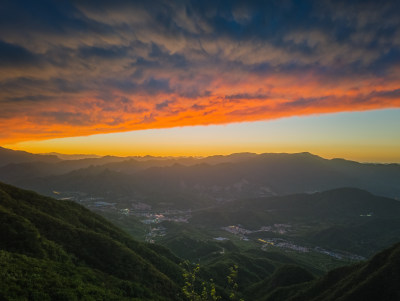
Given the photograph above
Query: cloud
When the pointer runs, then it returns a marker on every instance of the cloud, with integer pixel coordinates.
(84, 67)
(163, 105)
(12, 55)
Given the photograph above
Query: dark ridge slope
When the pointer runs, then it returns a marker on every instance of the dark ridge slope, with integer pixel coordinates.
(41, 236)
(375, 279)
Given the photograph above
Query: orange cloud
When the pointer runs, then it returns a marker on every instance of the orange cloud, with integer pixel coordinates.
(229, 100)
(106, 67)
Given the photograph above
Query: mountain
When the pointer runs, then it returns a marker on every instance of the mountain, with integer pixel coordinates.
(376, 279)
(339, 204)
(275, 174)
(11, 156)
(206, 180)
(52, 249)
(345, 219)
(73, 156)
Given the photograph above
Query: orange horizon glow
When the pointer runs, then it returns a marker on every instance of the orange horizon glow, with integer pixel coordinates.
(362, 136)
(379, 155)
(283, 97)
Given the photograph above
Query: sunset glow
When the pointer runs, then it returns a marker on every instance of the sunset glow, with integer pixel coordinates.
(362, 136)
(200, 78)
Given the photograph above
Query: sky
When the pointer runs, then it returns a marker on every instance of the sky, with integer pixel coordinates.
(201, 77)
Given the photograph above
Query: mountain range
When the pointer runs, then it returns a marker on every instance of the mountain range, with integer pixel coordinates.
(195, 182)
(297, 226)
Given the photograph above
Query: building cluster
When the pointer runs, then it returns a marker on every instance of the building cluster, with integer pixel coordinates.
(155, 232)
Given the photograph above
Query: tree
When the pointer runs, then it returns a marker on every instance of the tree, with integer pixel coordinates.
(196, 290)
(232, 283)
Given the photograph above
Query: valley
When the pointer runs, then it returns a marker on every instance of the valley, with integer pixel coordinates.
(235, 220)
(293, 234)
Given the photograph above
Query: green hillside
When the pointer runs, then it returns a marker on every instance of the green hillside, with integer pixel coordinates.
(58, 250)
(376, 279)
(346, 219)
(53, 249)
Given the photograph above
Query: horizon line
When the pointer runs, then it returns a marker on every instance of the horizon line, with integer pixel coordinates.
(96, 156)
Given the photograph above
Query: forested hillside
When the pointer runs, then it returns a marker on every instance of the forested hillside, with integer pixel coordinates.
(54, 249)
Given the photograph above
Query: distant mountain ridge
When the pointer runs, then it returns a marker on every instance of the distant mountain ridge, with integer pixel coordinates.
(72, 156)
(12, 156)
(210, 179)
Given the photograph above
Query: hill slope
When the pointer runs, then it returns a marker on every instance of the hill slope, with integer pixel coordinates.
(376, 279)
(346, 219)
(59, 250)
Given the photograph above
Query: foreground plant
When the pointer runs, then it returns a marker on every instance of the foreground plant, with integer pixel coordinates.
(192, 287)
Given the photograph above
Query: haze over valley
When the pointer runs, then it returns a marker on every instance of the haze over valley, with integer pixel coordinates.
(257, 211)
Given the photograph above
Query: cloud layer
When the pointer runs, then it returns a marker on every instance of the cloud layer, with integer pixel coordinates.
(72, 68)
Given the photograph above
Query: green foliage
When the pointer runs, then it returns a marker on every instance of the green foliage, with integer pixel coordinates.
(190, 278)
(23, 277)
(52, 242)
(195, 289)
(232, 284)
(376, 279)
(332, 219)
(252, 268)
(58, 250)
(284, 276)
(186, 245)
